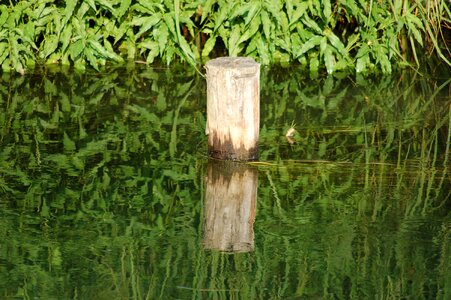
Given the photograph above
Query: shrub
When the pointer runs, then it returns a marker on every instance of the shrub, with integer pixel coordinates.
(364, 36)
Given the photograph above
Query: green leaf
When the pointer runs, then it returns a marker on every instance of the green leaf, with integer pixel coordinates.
(147, 6)
(107, 5)
(69, 10)
(4, 47)
(145, 23)
(311, 43)
(266, 22)
(65, 102)
(65, 37)
(170, 23)
(413, 28)
(413, 19)
(26, 40)
(233, 44)
(42, 22)
(187, 52)
(209, 45)
(101, 51)
(80, 64)
(50, 45)
(289, 8)
(91, 58)
(311, 24)
(272, 8)
(323, 45)
(6, 65)
(252, 13)
(314, 65)
(125, 4)
(241, 10)
(329, 59)
(298, 12)
(29, 34)
(363, 58)
(15, 56)
(352, 41)
(76, 49)
(353, 9)
(361, 64)
(105, 180)
(250, 32)
(335, 41)
(119, 33)
(223, 13)
(162, 35)
(144, 114)
(284, 23)
(152, 54)
(206, 9)
(327, 10)
(68, 144)
(263, 51)
(4, 15)
(84, 7)
(384, 62)
(152, 46)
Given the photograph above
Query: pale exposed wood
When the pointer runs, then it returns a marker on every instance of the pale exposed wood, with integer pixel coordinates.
(230, 207)
(233, 108)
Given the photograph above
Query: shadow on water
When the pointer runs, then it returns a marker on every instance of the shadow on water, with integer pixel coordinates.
(106, 193)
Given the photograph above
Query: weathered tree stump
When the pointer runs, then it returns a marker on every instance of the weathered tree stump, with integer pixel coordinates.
(233, 108)
(230, 206)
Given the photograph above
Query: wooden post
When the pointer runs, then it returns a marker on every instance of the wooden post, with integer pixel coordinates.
(230, 206)
(233, 108)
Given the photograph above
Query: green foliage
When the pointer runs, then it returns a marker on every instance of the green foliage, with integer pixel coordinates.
(367, 37)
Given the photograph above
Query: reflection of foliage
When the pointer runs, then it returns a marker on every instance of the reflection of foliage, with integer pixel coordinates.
(361, 122)
(81, 149)
(85, 129)
(101, 187)
(369, 167)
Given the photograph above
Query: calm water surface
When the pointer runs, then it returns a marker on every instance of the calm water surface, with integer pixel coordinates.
(106, 192)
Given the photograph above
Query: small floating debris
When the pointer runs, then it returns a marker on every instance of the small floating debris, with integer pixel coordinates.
(290, 134)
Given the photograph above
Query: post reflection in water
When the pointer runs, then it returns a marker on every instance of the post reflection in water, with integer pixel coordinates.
(230, 206)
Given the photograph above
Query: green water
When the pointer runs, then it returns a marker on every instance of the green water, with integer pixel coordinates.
(103, 184)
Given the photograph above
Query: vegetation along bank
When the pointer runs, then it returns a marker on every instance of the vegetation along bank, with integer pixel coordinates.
(350, 35)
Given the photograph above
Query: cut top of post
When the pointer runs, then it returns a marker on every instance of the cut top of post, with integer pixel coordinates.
(232, 62)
